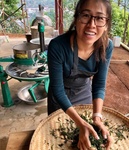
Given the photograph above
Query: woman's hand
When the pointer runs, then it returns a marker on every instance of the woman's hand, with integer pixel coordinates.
(105, 132)
(84, 142)
(85, 130)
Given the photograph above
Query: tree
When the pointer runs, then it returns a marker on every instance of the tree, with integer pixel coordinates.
(120, 21)
(51, 14)
(69, 8)
(11, 14)
(68, 11)
(9, 6)
(125, 30)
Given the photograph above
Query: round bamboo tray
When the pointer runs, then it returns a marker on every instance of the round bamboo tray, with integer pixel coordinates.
(43, 140)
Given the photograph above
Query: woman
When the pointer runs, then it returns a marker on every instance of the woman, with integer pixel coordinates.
(76, 56)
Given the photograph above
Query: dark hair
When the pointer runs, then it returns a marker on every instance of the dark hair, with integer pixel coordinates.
(102, 43)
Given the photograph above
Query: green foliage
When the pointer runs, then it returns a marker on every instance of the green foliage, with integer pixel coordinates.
(31, 18)
(51, 14)
(10, 7)
(14, 28)
(45, 3)
(118, 21)
(68, 11)
(69, 8)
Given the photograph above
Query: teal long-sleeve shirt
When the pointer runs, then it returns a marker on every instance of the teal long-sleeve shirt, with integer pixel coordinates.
(60, 63)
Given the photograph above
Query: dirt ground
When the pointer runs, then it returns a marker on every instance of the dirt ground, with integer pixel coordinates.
(13, 35)
(117, 87)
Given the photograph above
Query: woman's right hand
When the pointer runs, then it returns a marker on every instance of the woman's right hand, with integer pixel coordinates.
(85, 130)
(84, 142)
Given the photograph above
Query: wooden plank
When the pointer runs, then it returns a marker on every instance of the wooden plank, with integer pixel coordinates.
(119, 61)
(3, 143)
(19, 140)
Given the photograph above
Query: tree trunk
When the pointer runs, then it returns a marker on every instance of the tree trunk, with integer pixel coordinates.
(118, 2)
(126, 26)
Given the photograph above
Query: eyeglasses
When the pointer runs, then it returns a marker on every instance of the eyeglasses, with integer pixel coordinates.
(98, 20)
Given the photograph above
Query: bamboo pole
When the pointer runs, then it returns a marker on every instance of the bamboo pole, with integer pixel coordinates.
(27, 17)
(125, 46)
(14, 13)
(2, 3)
(2, 8)
(119, 61)
(23, 16)
(13, 21)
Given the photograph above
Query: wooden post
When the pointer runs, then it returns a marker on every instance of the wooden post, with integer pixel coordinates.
(13, 20)
(23, 15)
(56, 14)
(27, 18)
(3, 13)
(2, 9)
(60, 16)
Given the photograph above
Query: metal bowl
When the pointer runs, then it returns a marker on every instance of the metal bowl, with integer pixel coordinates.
(39, 92)
(37, 41)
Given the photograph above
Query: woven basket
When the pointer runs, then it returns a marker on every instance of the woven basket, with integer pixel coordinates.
(43, 140)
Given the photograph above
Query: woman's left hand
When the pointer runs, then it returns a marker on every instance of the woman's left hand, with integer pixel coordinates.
(105, 132)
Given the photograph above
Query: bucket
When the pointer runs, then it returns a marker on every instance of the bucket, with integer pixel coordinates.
(28, 37)
(48, 32)
(55, 33)
(34, 32)
(116, 41)
(25, 50)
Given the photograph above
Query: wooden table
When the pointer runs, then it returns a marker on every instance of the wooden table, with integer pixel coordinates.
(19, 140)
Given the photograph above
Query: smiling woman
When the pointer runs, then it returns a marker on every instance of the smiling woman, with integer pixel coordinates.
(76, 56)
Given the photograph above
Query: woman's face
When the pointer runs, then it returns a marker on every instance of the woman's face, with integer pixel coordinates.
(90, 33)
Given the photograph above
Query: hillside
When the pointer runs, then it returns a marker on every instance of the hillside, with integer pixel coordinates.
(45, 3)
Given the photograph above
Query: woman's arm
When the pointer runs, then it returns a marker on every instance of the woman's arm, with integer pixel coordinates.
(97, 108)
(97, 105)
(56, 64)
(99, 79)
(98, 89)
(99, 82)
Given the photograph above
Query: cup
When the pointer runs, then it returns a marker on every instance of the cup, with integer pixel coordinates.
(55, 33)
